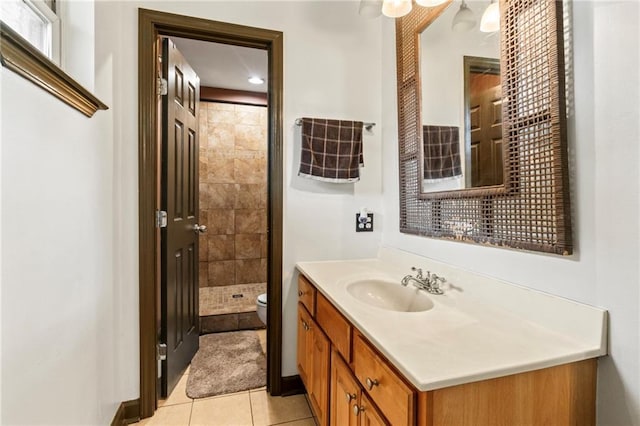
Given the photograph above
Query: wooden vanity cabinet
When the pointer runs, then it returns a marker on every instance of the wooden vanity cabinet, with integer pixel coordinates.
(341, 370)
(313, 363)
(386, 388)
(349, 405)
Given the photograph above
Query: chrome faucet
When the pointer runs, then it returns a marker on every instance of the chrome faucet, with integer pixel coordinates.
(429, 282)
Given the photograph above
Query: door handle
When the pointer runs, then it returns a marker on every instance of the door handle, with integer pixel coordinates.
(199, 229)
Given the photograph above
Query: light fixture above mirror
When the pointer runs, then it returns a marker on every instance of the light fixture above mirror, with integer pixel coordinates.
(464, 20)
(490, 21)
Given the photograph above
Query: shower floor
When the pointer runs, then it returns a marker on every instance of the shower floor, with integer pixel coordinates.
(221, 300)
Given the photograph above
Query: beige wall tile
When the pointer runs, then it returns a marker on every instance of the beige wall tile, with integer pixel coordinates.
(223, 195)
(247, 114)
(220, 168)
(218, 113)
(221, 273)
(250, 271)
(221, 247)
(203, 274)
(248, 246)
(250, 170)
(250, 221)
(269, 410)
(204, 196)
(203, 168)
(220, 221)
(251, 196)
(203, 245)
(220, 136)
(233, 410)
(264, 245)
(250, 138)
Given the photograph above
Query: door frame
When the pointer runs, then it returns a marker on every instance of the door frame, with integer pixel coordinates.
(151, 25)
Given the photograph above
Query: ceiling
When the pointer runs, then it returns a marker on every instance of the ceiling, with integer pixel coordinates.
(225, 66)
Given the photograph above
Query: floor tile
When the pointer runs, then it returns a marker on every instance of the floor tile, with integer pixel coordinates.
(222, 396)
(174, 415)
(262, 335)
(178, 395)
(234, 410)
(305, 422)
(269, 410)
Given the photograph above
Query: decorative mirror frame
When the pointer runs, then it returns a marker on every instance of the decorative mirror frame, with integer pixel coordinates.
(531, 210)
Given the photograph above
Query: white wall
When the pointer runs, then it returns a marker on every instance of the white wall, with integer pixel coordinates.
(331, 69)
(59, 299)
(603, 145)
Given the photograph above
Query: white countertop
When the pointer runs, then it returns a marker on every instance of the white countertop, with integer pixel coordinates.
(481, 328)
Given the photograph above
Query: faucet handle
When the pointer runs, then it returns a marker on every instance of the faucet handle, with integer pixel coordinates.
(419, 274)
(435, 283)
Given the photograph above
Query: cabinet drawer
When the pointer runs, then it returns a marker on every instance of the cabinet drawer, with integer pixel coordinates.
(385, 387)
(307, 294)
(336, 327)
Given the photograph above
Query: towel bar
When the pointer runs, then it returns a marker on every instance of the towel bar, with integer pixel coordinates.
(367, 126)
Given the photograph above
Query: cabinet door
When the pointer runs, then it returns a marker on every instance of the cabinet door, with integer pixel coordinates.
(305, 342)
(369, 414)
(319, 389)
(345, 393)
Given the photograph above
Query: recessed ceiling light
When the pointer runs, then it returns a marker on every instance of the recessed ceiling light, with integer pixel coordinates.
(256, 80)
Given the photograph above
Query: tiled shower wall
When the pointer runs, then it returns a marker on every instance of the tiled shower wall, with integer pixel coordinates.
(233, 201)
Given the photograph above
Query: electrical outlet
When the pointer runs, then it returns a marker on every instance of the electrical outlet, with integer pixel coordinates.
(364, 225)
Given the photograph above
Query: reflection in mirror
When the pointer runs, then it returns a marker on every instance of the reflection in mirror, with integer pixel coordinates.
(461, 102)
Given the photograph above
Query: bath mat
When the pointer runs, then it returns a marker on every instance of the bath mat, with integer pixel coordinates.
(226, 363)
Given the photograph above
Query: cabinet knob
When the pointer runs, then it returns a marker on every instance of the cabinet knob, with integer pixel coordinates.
(371, 383)
(357, 409)
(305, 325)
(350, 396)
(300, 293)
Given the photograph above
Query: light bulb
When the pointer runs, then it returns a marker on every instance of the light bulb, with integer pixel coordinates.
(464, 20)
(430, 3)
(370, 8)
(490, 21)
(256, 80)
(396, 8)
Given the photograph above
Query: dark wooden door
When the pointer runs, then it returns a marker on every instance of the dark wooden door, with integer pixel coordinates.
(179, 290)
(485, 104)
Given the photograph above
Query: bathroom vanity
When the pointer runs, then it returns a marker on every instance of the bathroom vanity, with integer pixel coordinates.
(483, 353)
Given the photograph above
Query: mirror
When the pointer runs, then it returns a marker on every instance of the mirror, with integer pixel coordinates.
(461, 101)
(530, 209)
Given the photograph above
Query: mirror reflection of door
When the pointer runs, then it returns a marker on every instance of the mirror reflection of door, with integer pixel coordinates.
(483, 122)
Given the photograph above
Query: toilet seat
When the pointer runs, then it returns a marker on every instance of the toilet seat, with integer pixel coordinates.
(262, 299)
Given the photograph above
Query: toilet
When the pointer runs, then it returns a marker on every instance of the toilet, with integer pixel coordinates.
(261, 307)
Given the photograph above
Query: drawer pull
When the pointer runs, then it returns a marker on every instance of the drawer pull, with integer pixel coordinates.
(372, 383)
(350, 396)
(300, 293)
(357, 410)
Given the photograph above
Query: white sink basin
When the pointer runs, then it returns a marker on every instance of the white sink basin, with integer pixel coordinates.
(390, 296)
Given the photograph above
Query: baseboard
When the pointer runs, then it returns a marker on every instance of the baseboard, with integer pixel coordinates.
(292, 385)
(128, 412)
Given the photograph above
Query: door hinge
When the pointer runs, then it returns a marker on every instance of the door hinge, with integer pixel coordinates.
(161, 219)
(161, 355)
(162, 88)
(162, 351)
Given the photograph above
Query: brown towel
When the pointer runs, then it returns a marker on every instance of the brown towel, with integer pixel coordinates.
(331, 150)
(441, 152)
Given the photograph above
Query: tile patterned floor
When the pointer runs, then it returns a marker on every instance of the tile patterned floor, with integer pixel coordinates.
(249, 408)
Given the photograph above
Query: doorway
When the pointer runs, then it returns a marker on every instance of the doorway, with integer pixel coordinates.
(152, 25)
